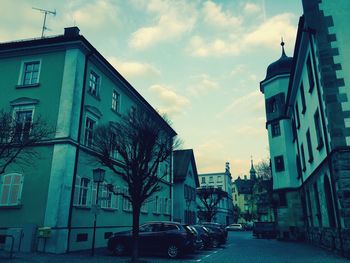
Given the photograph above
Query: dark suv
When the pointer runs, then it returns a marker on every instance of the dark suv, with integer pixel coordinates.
(169, 237)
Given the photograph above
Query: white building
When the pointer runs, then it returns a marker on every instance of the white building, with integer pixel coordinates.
(222, 181)
(308, 122)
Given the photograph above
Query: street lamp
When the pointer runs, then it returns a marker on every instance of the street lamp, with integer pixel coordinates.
(98, 176)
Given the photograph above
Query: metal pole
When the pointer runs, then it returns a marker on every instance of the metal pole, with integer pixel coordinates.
(95, 217)
(42, 32)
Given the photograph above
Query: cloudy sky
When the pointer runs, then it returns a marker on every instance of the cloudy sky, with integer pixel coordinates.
(198, 61)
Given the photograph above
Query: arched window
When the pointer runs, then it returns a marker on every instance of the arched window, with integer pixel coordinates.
(11, 189)
(329, 201)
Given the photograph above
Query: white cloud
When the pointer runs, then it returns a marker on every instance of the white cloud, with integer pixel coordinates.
(171, 103)
(134, 68)
(203, 86)
(215, 16)
(173, 19)
(96, 14)
(248, 101)
(267, 35)
(251, 8)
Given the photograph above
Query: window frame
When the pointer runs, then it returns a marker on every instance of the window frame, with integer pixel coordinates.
(303, 100)
(94, 85)
(95, 121)
(116, 102)
(279, 168)
(303, 161)
(21, 77)
(275, 129)
(297, 117)
(318, 129)
(309, 146)
(11, 185)
(310, 73)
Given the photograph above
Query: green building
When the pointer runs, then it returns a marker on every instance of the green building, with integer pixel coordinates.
(67, 82)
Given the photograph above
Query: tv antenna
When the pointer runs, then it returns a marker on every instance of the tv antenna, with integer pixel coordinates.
(45, 12)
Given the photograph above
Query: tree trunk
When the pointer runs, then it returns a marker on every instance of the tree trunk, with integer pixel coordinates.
(135, 233)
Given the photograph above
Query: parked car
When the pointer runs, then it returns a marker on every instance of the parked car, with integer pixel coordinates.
(217, 233)
(264, 229)
(222, 227)
(199, 244)
(171, 238)
(235, 227)
(204, 235)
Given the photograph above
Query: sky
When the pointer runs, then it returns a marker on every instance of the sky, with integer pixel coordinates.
(198, 61)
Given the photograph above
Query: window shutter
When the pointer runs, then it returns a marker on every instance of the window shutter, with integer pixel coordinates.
(77, 190)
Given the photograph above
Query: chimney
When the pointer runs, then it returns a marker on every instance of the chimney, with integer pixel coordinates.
(71, 31)
(245, 177)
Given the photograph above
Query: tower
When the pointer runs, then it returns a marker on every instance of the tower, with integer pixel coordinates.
(252, 171)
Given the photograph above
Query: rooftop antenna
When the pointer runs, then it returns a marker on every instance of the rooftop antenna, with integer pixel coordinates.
(45, 12)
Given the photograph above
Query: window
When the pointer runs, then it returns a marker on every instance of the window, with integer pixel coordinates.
(297, 115)
(108, 200)
(89, 129)
(23, 120)
(144, 207)
(273, 105)
(82, 237)
(82, 191)
(30, 73)
(211, 180)
(203, 180)
(279, 163)
(302, 157)
(297, 161)
(94, 84)
(303, 102)
(167, 206)
(156, 208)
(219, 179)
(318, 130)
(310, 74)
(275, 129)
(126, 203)
(282, 199)
(11, 189)
(311, 222)
(294, 130)
(115, 101)
(309, 146)
(318, 205)
(114, 152)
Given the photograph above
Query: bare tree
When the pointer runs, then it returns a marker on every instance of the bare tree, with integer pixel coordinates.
(209, 198)
(263, 169)
(18, 138)
(142, 144)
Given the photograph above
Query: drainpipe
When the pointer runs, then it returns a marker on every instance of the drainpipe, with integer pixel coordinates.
(77, 151)
(311, 33)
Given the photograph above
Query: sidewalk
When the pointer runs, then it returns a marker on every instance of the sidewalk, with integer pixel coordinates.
(101, 255)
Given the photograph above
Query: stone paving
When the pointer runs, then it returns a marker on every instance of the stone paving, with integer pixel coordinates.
(240, 248)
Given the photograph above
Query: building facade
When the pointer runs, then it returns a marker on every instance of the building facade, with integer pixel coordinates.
(185, 184)
(67, 82)
(307, 112)
(221, 181)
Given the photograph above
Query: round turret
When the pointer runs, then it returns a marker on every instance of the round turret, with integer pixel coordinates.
(281, 66)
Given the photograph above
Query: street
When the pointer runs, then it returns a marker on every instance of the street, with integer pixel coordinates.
(241, 247)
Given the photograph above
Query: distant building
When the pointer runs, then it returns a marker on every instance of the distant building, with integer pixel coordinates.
(307, 113)
(221, 181)
(185, 184)
(67, 82)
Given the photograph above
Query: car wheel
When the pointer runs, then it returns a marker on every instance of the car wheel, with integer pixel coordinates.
(119, 249)
(215, 243)
(173, 251)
